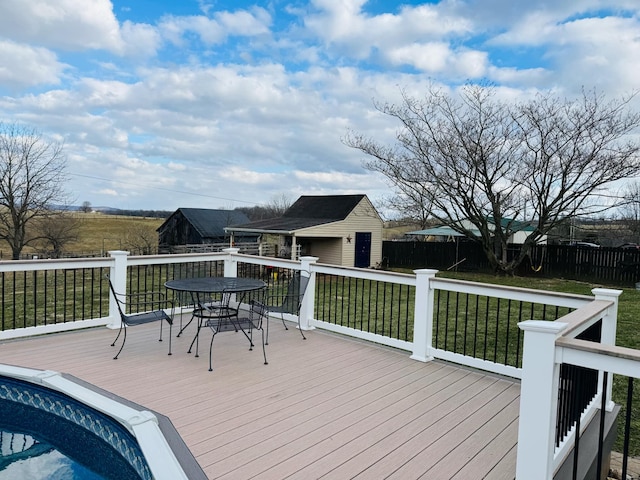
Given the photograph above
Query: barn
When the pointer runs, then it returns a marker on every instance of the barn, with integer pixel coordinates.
(199, 226)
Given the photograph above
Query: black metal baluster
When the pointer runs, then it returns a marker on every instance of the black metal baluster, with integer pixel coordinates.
(576, 445)
(410, 290)
(519, 338)
(466, 322)
(486, 329)
(35, 299)
(455, 325)
(437, 316)
(475, 333)
(603, 412)
(3, 303)
(24, 299)
(64, 296)
(75, 294)
(506, 345)
(495, 342)
(446, 320)
(627, 427)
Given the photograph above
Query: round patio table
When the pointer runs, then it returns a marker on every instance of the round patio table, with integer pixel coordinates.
(201, 289)
(215, 285)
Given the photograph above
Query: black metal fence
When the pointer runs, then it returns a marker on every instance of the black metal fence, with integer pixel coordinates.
(49, 297)
(485, 327)
(613, 266)
(372, 306)
(576, 389)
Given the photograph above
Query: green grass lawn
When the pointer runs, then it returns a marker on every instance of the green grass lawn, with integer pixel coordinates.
(629, 301)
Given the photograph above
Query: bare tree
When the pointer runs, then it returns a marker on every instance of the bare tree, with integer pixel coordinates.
(490, 167)
(275, 208)
(56, 231)
(278, 205)
(142, 240)
(32, 174)
(85, 207)
(414, 207)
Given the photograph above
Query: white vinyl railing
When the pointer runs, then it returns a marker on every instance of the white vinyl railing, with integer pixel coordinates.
(547, 344)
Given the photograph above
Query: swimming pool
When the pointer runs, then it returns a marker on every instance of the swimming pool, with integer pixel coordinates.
(54, 421)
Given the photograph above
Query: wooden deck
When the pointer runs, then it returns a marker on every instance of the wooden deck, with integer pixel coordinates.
(328, 407)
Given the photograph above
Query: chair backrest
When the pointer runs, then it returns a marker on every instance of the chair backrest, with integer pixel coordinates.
(295, 293)
(117, 299)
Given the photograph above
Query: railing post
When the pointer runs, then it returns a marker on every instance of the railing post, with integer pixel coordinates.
(230, 262)
(538, 400)
(118, 277)
(609, 331)
(309, 300)
(423, 316)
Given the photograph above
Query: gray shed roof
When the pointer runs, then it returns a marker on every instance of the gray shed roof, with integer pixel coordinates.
(307, 211)
(209, 223)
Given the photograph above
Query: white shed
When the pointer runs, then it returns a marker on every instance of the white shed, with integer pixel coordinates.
(339, 229)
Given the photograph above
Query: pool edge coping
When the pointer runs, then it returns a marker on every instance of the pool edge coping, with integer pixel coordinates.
(164, 449)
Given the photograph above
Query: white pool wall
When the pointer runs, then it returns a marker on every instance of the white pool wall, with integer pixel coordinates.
(142, 424)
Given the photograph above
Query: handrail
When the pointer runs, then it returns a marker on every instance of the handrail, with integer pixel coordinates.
(581, 319)
(513, 293)
(549, 345)
(616, 351)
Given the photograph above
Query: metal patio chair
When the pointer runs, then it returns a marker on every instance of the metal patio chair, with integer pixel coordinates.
(245, 324)
(212, 310)
(155, 305)
(289, 301)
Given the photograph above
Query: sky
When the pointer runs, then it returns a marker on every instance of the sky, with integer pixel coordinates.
(163, 104)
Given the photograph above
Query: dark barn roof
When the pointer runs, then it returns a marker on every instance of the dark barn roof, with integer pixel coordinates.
(307, 211)
(208, 223)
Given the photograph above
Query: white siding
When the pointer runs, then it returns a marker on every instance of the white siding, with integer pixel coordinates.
(363, 218)
(327, 250)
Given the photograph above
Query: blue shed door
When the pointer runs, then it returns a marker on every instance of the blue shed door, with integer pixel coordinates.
(363, 249)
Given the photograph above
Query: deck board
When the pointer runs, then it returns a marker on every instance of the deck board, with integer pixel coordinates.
(326, 407)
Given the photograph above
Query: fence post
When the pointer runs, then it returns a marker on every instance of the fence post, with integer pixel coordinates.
(423, 315)
(538, 400)
(609, 331)
(230, 262)
(118, 277)
(309, 300)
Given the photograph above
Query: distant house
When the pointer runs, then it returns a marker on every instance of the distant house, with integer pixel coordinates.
(197, 226)
(520, 231)
(339, 229)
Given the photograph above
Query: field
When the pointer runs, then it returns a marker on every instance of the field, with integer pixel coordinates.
(98, 233)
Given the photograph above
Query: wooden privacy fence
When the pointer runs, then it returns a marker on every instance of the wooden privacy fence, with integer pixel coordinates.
(609, 265)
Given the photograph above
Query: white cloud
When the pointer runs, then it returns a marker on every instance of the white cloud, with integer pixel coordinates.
(139, 39)
(345, 25)
(215, 30)
(67, 24)
(600, 52)
(593, 51)
(429, 57)
(26, 66)
(237, 105)
(174, 28)
(245, 23)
